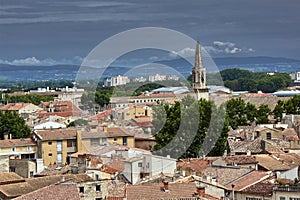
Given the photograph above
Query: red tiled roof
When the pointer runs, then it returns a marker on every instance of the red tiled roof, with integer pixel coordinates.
(14, 106)
(62, 108)
(56, 134)
(17, 142)
(195, 164)
(154, 191)
(261, 188)
(242, 159)
(248, 180)
(10, 177)
(63, 192)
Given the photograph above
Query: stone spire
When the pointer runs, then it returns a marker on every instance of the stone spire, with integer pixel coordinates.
(198, 56)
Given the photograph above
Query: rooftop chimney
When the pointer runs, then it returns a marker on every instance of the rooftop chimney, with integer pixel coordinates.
(166, 185)
(201, 191)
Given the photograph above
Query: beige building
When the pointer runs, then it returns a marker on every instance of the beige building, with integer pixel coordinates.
(54, 146)
(106, 135)
(24, 148)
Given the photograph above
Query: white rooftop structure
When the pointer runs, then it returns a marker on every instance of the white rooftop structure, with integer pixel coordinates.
(170, 90)
(49, 125)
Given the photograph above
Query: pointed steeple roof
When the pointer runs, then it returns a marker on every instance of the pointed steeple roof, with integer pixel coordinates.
(198, 56)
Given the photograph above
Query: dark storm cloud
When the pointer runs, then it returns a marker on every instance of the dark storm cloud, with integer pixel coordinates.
(65, 29)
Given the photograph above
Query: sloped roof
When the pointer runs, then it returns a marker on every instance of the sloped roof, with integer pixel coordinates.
(62, 192)
(10, 177)
(32, 184)
(56, 134)
(195, 164)
(14, 106)
(241, 159)
(264, 187)
(17, 142)
(225, 175)
(249, 179)
(154, 191)
(111, 132)
(278, 162)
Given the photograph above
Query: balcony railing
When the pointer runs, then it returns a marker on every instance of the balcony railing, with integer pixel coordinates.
(287, 188)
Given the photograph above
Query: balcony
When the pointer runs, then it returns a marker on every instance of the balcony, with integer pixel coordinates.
(287, 188)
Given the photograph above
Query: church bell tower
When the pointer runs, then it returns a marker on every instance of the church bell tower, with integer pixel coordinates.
(199, 76)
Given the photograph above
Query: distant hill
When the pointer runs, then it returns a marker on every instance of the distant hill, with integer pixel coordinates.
(252, 60)
(68, 72)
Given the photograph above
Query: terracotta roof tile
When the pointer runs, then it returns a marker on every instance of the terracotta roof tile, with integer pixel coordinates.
(17, 142)
(14, 106)
(10, 177)
(250, 179)
(56, 134)
(154, 191)
(62, 192)
(194, 164)
(239, 160)
(32, 184)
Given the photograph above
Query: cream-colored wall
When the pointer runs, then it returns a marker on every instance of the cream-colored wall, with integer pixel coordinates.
(274, 134)
(19, 149)
(287, 195)
(130, 141)
(242, 196)
(53, 149)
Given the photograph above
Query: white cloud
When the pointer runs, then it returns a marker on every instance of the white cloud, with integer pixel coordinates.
(186, 52)
(45, 62)
(220, 47)
(223, 44)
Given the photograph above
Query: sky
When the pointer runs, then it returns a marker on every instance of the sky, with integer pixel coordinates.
(60, 31)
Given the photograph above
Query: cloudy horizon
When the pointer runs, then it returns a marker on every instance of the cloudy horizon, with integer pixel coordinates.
(64, 32)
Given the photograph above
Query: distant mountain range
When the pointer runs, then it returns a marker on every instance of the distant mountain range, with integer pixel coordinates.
(68, 72)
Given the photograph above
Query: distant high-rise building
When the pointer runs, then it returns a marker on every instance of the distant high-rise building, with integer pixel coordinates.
(116, 80)
(199, 76)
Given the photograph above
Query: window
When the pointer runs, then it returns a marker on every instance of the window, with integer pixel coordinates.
(29, 148)
(59, 158)
(98, 188)
(12, 169)
(49, 154)
(281, 198)
(97, 177)
(49, 143)
(294, 198)
(13, 149)
(140, 164)
(125, 141)
(115, 139)
(95, 141)
(98, 199)
(31, 174)
(81, 190)
(70, 143)
(104, 140)
(269, 136)
(59, 146)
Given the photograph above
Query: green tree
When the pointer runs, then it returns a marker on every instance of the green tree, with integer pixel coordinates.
(187, 128)
(262, 115)
(12, 124)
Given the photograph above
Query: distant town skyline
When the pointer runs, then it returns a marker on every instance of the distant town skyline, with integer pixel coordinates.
(56, 32)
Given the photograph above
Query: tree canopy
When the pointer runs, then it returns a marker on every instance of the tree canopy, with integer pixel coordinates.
(187, 127)
(13, 124)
